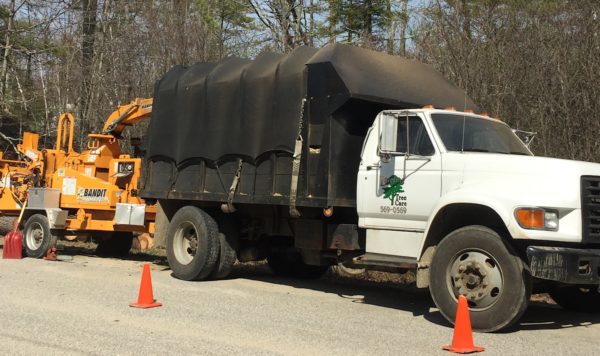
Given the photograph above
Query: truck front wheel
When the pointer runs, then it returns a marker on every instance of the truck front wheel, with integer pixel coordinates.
(192, 244)
(577, 298)
(475, 262)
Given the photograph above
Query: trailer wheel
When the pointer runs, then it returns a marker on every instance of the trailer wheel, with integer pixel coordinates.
(117, 244)
(192, 244)
(37, 236)
(289, 263)
(475, 262)
(229, 243)
(577, 298)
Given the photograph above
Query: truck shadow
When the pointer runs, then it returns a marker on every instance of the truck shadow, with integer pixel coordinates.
(543, 316)
(384, 294)
(539, 315)
(155, 256)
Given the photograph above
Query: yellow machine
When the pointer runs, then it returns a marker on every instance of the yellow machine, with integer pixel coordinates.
(77, 195)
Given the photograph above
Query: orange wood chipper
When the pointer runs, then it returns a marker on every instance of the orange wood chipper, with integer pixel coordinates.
(79, 195)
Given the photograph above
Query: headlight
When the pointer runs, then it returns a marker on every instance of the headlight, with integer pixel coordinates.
(537, 218)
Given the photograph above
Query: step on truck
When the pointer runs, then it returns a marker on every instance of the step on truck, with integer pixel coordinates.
(343, 155)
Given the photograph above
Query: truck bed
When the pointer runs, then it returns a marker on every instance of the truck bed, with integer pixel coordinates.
(211, 115)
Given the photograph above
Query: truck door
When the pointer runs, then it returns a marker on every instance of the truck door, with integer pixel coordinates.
(399, 184)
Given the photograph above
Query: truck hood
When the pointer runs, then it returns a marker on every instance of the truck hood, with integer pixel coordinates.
(516, 164)
(534, 180)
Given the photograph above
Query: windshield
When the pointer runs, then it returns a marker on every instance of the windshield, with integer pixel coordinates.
(480, 135)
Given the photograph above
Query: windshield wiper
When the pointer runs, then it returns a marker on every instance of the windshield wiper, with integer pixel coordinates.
(475, 150)
(500, 152)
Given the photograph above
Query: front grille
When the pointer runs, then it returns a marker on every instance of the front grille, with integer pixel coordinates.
(590, 208)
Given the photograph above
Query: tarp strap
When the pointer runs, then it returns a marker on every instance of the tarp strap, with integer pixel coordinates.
(295, 172)
(229, 208)
(296, 166)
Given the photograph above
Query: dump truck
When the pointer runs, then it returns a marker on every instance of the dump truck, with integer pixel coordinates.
(73, 195)
(344, 155)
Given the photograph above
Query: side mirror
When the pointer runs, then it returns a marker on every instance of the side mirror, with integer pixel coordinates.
(388, 137)
(525, 136)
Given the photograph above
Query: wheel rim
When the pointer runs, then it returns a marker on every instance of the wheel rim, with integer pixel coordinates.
(185, 243)
(476, 275)
(34, 236)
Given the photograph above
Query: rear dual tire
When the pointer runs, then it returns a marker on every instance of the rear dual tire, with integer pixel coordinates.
(228, 246)
(192, 244)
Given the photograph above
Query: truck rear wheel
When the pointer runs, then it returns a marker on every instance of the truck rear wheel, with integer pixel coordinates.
(192, 244)
(37, 236)
(577, 298)
(475, 262)
(229, 243)
(289, 263)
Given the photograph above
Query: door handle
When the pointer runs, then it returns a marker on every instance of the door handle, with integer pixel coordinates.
(372, 167)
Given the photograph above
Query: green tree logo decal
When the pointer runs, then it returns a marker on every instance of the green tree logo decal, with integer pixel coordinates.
(392, 188)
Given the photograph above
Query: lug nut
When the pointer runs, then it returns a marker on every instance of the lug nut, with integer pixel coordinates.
(461, 268)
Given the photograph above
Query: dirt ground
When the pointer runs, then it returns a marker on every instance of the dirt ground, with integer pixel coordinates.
(80, 305)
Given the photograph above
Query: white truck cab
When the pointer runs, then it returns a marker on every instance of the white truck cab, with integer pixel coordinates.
(464, 198)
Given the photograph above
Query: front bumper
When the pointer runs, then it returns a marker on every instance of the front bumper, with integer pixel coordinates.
(566, 265)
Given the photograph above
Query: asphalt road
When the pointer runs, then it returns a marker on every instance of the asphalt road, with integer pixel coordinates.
(81, 307)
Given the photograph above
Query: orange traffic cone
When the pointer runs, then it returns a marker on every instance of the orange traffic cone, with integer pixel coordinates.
(146, 298)
(462, 342)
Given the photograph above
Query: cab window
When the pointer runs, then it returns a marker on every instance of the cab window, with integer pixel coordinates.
(415, 136)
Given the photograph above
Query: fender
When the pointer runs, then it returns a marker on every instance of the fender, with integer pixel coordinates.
(468, 196)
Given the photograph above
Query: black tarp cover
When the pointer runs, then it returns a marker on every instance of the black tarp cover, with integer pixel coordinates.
(246, 108)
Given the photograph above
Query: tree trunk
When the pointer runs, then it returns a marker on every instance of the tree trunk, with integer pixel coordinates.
(391, 27)
(89, 9)
(312, 24)
(403, 27)
(7, 48)
(368, 19)
(466, 19)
